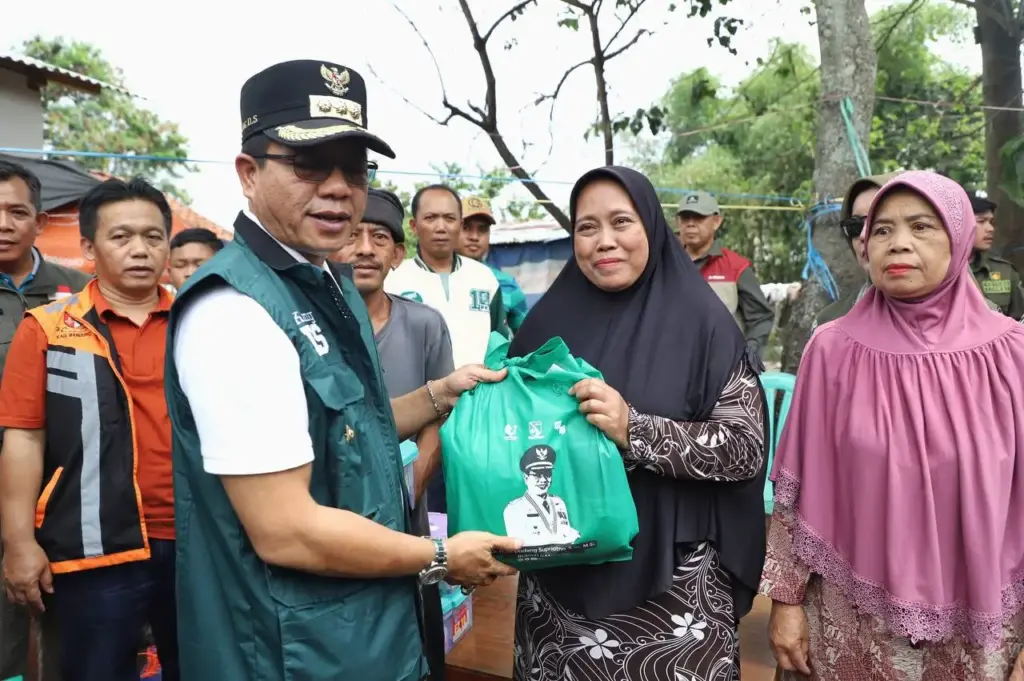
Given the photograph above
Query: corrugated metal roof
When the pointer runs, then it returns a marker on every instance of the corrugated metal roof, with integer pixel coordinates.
(534, 232)
(33, 67)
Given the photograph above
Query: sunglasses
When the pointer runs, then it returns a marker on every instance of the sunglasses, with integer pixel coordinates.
(853, 226)
(317, 168)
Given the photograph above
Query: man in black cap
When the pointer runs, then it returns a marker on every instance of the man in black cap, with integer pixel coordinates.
(297, 556)
(414, 347)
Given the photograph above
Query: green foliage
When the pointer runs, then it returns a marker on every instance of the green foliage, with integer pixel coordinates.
(108, 122)
(759, 138)
(492, 185)
(950, 139)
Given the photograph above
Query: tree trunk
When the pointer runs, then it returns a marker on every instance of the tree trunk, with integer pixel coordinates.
(1001, 87)
(847, 69)
(602, 92)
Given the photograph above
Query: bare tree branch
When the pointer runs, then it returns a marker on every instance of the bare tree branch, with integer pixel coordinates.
(561, 81)
(486, 118)
(518, 8)
(633, 9)
(437, 68)
(586, 9)
(615, 53)
(405, 99)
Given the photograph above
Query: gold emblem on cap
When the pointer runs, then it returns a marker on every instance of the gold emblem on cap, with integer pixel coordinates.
(335, 82)
(324, 106)
(293, 133)
(996, 276)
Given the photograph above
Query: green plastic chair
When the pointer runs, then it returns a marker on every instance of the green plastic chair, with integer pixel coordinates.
(775, 383)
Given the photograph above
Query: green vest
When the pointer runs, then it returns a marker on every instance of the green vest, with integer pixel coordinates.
(244, 620)
(998, 281)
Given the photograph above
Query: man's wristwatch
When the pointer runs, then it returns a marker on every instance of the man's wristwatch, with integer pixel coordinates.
(438, 568)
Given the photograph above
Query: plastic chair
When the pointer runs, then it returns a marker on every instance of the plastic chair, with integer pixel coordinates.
(775, 383)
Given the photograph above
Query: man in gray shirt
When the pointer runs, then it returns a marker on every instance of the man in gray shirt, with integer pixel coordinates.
(414, 347)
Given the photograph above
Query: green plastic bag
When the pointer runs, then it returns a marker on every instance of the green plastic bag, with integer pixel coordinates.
(520, 460)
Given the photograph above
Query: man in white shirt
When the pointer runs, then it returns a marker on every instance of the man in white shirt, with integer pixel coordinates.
(463, 290)
(295, 557)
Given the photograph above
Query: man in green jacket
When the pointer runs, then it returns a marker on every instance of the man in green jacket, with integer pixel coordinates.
(999, 281)
(295, 558)
(27, 280)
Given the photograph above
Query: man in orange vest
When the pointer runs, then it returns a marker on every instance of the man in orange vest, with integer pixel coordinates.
(82, 401)
(729, 274)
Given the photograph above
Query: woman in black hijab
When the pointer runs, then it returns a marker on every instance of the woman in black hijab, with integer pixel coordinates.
(682, 401)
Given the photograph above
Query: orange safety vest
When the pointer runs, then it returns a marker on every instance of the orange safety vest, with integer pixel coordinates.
(89, 513)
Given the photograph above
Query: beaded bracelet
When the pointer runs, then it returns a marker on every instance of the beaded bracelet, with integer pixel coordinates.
(433, 401)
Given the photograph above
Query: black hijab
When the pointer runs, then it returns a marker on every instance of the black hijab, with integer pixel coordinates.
(668, 345)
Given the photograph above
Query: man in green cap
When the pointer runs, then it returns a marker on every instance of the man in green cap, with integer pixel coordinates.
(296, 558)
(999, 281)
(729, 274)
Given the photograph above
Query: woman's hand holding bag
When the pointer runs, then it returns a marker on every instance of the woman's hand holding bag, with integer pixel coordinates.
(604, 408)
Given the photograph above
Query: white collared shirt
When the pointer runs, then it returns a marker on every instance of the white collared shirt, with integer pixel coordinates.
(241, 375)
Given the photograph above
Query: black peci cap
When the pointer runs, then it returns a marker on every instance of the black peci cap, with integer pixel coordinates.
(305, 102)
(385, 209)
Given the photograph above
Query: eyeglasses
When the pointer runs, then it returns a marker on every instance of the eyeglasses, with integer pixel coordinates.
(853, 226)
(315, 168)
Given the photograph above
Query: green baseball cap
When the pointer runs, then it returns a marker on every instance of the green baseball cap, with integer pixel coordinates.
(700, 203)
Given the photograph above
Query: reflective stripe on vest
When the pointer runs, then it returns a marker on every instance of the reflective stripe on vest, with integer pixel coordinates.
(78, 380)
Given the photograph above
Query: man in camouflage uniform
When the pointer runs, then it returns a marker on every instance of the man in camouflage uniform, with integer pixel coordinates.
(475, 243)
(999, 281)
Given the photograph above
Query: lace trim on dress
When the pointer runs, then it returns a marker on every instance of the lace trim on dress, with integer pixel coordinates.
(916, 621)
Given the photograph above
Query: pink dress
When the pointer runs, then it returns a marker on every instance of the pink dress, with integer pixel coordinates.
(846, 645)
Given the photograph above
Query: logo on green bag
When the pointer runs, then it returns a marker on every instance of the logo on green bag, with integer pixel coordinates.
(413, 296)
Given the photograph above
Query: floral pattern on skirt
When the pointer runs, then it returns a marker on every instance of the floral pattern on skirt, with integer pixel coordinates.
(687, 633)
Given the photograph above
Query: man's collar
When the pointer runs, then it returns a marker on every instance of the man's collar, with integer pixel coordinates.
(8, 280)
(272, 251)
(264, 244)
(456, 261)
(713, 252)
(99, 301)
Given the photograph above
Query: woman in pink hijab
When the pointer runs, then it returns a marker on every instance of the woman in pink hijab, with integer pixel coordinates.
(896, 550)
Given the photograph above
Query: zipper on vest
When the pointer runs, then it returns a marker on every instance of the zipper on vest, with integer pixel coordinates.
(346, 314)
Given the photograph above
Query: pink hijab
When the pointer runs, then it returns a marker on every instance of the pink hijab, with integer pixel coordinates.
(903, 453)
